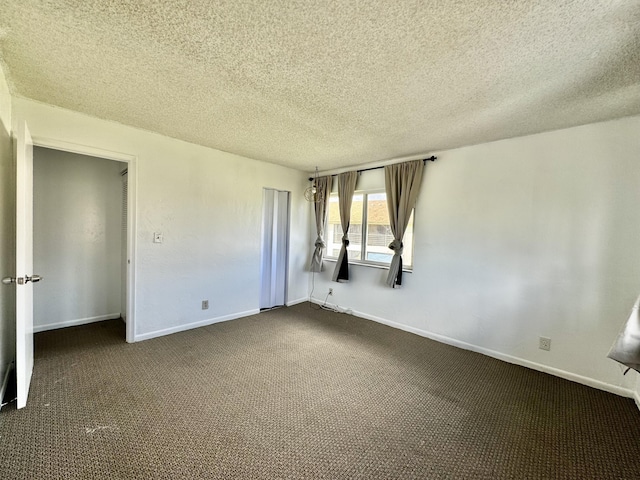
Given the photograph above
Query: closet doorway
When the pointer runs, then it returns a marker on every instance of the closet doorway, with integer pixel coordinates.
(84, 229)
(275, 248)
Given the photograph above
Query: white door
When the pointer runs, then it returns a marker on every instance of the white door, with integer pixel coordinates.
(24, 263)
(275, 247)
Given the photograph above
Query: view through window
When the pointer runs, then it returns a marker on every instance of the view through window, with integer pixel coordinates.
(369, 231)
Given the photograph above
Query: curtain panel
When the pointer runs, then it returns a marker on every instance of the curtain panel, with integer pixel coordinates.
(346, 189)
(323, 190)
(626, 348)
(402, 184)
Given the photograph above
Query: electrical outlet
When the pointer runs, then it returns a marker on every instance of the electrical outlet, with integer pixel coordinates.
(205, 304)
(545, 343)
(331, 291)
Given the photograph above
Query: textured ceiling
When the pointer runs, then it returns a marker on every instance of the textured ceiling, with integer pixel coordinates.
(328, 83)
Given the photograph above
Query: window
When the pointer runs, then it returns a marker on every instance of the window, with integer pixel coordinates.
(369, 233)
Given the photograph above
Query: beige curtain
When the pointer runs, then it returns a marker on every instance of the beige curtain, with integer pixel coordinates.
(346, 188)
(402, 184)
(323, 190)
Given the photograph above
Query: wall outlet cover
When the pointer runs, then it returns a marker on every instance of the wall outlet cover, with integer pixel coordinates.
(545, 343)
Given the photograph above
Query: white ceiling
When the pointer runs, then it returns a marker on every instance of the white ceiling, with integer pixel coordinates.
(328, 83)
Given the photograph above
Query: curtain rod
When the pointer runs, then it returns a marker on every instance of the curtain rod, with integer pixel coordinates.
(432, 158)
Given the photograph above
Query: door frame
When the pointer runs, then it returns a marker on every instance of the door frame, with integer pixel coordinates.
(132, 179)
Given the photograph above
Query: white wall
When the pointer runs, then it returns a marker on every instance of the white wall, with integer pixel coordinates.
(7, 232)
(77, 240)
(208, 206)
(521, 238)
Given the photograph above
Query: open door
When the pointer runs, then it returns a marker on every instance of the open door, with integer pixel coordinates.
(24, 263)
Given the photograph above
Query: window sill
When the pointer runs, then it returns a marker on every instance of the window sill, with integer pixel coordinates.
(370, 265)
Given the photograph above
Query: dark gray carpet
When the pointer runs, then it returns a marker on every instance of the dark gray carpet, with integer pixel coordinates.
(299, 393)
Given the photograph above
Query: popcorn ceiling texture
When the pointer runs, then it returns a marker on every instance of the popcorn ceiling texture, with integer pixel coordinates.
(328, 83)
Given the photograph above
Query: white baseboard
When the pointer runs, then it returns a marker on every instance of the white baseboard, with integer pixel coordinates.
(190, 326)
(299, 300)
(73, 323)
(607, 387)
(209, 321)
(5, 382)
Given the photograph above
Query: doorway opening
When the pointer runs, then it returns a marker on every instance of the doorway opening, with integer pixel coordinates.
(84, 233)
(79, 239)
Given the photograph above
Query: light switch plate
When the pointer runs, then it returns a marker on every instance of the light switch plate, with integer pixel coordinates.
(157, 238)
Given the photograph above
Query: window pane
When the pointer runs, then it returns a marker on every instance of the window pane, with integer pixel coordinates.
(379, 234)
(334, 228)
(334, 231)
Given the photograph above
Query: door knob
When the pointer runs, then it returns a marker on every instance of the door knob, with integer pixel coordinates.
(33, 278)
(8, 280)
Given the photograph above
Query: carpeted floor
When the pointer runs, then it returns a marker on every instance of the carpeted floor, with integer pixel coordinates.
(298, 393)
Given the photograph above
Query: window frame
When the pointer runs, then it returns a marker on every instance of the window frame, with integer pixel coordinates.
(364, 234)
